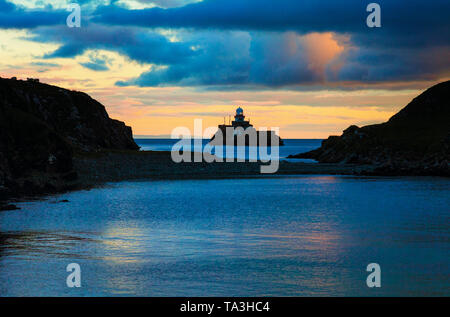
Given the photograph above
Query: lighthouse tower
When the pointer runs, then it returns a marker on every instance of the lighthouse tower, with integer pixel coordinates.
(239, 119)
(239, 116)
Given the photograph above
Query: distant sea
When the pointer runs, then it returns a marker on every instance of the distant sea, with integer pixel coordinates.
(291, 146)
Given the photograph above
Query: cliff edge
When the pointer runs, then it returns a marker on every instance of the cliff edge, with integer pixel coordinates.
(415, 141)
(41, 127)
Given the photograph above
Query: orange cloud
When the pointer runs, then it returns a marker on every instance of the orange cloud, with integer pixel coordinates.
(321, 49)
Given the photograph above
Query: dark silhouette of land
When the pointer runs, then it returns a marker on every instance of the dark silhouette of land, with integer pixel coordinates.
(415, 141)
(42, 127)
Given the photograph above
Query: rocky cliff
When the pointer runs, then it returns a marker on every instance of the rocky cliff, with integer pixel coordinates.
(414, 141)
(42, 126)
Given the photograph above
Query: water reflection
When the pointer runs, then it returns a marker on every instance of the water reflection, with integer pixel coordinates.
(29, 244)
(248, 237)
(125, 244)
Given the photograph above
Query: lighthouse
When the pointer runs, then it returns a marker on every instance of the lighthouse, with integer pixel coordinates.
(240, 122)
(239, 116)
(239, 119)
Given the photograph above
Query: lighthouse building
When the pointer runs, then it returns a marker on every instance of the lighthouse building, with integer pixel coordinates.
(240, 122)
(239, 119)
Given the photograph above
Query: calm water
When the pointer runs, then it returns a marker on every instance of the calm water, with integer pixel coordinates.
(284, 236)
(290, 147)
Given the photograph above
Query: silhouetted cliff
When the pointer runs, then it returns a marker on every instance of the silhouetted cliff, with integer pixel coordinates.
(414, 141)
(41, 126)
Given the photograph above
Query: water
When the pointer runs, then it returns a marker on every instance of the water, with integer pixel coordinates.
(280, 236)
(290, 147)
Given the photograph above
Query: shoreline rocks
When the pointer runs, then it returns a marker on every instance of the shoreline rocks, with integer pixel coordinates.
(415, 141)
(42, 127)
(6, 207)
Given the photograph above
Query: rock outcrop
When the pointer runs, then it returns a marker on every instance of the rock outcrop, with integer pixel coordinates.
(42, 126)
(415, 141)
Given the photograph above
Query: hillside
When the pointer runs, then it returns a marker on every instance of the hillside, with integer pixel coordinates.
(42, 126)
(416, 140)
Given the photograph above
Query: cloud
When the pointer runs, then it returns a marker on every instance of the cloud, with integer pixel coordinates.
(142, 46)
(395, 64)
(348, 16)
(97, 62)
(97, 66)
(298, 42)
(279, 15)
(6, 6)
(45, 64)
(246, 44)
(14, 17)
(243, 58)
(290, 59)
(220, 58)
(168, 3)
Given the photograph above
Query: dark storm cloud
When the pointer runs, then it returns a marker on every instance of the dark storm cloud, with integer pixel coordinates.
(398, 17)
(248, 43)
(236, 58)
(140, 45)
(278, 15)
(273, 60)
(6, 6)
(400, 64)
(13, 17)
(412, 44)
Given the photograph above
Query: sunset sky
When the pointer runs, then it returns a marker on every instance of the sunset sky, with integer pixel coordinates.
(311, 68)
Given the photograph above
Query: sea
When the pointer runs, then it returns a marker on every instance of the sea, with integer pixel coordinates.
(290, 235)
(290, 147)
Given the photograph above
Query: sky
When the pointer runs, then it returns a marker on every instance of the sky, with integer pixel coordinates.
(310, 67)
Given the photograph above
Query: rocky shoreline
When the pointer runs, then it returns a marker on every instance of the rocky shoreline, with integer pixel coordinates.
(114, 166)
(94, 169)
(415, 141)
(41, 128)
(97, 168)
